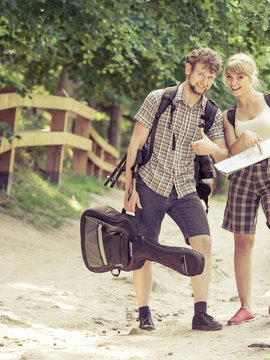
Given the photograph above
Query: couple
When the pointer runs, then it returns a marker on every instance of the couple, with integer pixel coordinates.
(166, 183)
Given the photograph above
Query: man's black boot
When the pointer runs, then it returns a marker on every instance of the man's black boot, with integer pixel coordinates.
(146, 322)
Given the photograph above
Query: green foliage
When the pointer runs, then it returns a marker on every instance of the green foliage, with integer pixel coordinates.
(115, 52)
(220, 198)
(221, 184)
(38, 201)
(30, 119)
(101, 123)
(80, 187)
(6, 132)
(125, 47)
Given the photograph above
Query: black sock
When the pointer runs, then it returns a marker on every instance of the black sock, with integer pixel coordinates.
(144, 310)
(199, 306)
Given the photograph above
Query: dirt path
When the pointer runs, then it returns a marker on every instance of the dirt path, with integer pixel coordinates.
(52, 307)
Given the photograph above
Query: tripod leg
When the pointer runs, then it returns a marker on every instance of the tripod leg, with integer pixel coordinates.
(122, 169)
(112, 175)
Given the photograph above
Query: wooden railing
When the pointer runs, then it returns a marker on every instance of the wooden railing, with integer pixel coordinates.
(92, 155)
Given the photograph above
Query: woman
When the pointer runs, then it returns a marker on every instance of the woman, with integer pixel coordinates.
(251, 185)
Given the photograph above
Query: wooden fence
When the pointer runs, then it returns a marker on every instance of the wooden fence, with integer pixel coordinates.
(92, 155)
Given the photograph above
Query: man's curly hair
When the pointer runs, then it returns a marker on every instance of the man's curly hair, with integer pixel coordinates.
(210, 58)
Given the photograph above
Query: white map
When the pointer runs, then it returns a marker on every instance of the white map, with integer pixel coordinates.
(244, 159)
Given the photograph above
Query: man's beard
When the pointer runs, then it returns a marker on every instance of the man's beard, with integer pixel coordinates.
(193, 88)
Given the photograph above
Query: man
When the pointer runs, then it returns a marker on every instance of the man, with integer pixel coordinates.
(166, 184)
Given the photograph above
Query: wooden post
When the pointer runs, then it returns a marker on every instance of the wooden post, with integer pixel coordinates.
(9, 116)
(80, 157)
(55, 153)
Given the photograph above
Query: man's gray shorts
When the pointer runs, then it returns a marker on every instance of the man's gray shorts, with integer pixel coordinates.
(187, 212)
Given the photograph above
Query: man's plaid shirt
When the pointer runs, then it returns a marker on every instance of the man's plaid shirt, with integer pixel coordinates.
(169, 167)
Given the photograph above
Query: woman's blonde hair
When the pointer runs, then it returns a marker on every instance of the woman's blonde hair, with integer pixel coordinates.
(243, 64)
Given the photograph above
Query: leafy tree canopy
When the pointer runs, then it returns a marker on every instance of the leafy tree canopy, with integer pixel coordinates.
(125, 48)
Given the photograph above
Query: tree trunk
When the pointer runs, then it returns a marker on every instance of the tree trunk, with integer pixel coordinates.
(114, 133)
(65, 83)
(63, 79)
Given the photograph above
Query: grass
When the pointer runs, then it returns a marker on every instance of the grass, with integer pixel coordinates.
(43, 204)
(220, 198)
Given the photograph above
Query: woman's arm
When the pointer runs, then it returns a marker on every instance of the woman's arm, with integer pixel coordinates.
(246, 140)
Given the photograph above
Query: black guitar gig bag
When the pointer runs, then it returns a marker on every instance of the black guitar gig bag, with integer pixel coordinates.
(114, 241)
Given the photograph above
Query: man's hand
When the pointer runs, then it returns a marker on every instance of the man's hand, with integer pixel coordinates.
(131, 201)
(204, 146)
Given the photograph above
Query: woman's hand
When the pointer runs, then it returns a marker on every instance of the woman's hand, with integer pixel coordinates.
(251, 139)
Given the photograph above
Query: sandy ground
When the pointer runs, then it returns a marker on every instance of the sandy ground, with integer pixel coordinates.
(52, 307)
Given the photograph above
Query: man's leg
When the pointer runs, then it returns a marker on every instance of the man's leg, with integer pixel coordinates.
(150, 216)
(191, 218)
(200, 283)
(200, 286)
(143, 284)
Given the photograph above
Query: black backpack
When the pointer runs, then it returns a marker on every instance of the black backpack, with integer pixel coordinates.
(231, 112)
(114, 241)
(203, 163)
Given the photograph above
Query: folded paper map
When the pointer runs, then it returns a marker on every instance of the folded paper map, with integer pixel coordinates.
(244, 159)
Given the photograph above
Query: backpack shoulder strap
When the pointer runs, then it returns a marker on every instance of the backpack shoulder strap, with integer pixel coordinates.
(267, 98)
(167, 98)
(231, 115)
(209, 115)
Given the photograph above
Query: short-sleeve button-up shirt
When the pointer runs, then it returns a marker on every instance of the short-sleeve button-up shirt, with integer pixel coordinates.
(167, 167)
